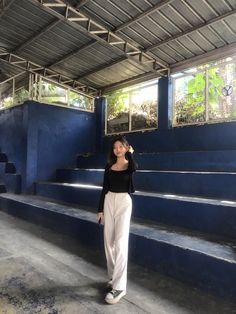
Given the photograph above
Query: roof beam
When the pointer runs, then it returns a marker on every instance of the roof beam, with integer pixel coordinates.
(192, 29)
(101, 67)
(46, 29)
(47, 73)
(5, 7)
(36, 36)
(81, 3)
(98, 32)
(144, 14)
(210, 56)
(12, 77)
(132, 81)
(74, 52)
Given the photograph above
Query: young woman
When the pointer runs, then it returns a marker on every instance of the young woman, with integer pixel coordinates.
(115, 211)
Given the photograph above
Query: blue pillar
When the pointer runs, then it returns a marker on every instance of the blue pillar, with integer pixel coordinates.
(100, 106)
(165, 103)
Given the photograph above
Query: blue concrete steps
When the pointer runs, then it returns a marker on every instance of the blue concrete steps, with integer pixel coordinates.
(203, 214)
(194, 183)
(7, 167)
(185, 160)
(189, 256)
(2, 188)
(8, 176)
(10, 167)
(2, 168)
(13, 183)
(3, 157)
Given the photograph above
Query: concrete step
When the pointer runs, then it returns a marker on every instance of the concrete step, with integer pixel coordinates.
(10, 167)
(7, 167)
(9, 178)
(2, 168)
(195, 183)
(3, 157)
(2, 188)
(13, 183)
(207, 215)
(185, 160)
(190, 257)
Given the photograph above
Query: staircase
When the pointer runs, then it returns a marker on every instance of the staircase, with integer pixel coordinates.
(183, 217)
(10, 181)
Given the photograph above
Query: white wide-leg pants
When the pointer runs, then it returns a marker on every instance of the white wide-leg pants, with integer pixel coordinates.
(117, 213)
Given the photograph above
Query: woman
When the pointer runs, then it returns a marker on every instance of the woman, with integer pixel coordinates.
(115, 211)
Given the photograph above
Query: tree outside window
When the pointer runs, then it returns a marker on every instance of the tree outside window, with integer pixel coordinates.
(206, 93)
(132, 109)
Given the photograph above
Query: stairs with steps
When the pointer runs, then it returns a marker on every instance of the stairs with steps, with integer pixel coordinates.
(185, 160)
(183, 220)
(10, 180)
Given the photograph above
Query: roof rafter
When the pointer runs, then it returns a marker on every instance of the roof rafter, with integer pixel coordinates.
(191, 30)
(36, 36)
(102, 67)
(132, 81)
(5, 7)
(89, 27)
(52, 75)
(218, 53)
(74, 52)
(81, 3)
(144, 14)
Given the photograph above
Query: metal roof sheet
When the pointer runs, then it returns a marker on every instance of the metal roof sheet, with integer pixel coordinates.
(164, 33)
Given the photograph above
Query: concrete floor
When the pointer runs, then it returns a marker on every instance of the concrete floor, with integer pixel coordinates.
(44, 272)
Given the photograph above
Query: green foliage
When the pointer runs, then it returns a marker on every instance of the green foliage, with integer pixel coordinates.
(116, 103)
(191, 108)
(80, 101)
(20, 96)
(216, 84)
(7, 102)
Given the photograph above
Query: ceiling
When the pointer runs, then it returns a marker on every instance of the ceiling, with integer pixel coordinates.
(96, 46)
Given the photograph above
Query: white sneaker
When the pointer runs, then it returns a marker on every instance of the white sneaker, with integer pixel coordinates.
(114, 296)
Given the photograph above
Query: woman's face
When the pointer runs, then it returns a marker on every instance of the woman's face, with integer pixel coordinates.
(119, 149)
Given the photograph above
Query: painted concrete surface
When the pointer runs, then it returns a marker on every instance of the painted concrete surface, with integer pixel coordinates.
(44, 272)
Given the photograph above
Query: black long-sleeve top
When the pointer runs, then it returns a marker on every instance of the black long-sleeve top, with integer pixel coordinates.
(118, 181)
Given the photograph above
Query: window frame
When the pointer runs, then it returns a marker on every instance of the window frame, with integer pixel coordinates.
(130, 90)
(201, 68)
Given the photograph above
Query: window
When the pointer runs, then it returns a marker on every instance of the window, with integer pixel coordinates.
(206, 93)
(55, 94)
(25, 86)
(132, 109)
(14, 90)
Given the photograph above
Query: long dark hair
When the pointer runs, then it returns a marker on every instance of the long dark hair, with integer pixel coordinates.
(111, 156)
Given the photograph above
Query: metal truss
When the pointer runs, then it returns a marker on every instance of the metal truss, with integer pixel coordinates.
(193, 29)
(47, 73)
(146, 13)
(86, 25)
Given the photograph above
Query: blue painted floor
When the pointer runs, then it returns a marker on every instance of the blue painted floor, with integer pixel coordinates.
(46, 272)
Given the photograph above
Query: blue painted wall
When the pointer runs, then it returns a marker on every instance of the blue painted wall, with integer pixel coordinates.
(13, 135)
(215, 136)
(40, 138)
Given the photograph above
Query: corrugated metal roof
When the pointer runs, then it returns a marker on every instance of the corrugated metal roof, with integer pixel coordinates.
(165, 34)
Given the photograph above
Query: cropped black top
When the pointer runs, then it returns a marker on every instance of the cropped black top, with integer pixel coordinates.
(118, 181)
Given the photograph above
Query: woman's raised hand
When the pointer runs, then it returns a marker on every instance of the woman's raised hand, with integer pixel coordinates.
(131, 150)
